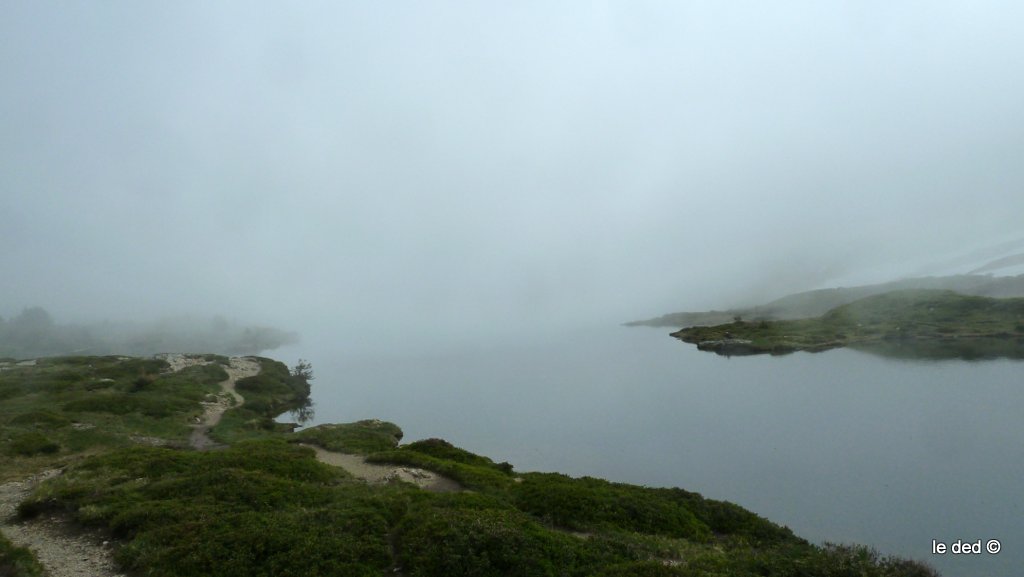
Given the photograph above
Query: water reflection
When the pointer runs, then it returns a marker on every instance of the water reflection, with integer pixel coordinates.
(972, 349)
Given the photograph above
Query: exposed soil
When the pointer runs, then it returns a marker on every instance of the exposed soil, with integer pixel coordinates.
(375, 473)
(63, 549)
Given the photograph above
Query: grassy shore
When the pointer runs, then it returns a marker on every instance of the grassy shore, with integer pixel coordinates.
(949, 322)
(265, 506)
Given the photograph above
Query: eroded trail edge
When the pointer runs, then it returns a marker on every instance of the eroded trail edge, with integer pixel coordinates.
(64, 550)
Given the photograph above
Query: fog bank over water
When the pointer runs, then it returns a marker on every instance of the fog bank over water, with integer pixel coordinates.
(401, 175)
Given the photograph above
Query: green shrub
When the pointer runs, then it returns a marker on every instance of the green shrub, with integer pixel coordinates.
(41, 418)
(18, 561)
(274, 379)
(361, 437)
(10, 390)
(441, 449)
(587, 503)
(725, 518)
(124, 403)
(32, 443)
(469, 476)
(859, 560)
(647, 569)
(436, 542)
(257, 509)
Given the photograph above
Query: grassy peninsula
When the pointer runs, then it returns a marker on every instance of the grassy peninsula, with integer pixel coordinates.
(935, 321)
(815, 303)
(103, 444)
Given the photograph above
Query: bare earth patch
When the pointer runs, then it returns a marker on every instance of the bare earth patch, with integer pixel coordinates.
(375, 473)
(60, 548)
(179, 362)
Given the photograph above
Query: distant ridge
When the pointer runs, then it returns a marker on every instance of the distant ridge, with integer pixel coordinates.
(1000, 263)
(810, 304)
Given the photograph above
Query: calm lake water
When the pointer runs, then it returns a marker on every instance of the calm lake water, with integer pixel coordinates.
(841, 446)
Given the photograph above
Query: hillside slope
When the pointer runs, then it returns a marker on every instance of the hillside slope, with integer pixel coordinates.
(810, 304)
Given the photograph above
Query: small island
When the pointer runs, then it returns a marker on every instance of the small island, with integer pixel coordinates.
(925, 321)
(175, 465)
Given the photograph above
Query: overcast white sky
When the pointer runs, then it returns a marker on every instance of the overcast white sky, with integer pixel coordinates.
(468, 169)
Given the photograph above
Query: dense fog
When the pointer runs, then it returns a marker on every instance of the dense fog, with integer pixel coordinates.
(35, 333)
(396, 175)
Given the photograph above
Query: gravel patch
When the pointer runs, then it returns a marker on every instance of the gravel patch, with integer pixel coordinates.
(60, 548)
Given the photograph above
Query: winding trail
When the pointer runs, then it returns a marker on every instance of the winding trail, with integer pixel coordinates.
(239, 368)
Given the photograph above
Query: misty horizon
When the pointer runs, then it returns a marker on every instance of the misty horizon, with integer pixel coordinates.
(456, 172)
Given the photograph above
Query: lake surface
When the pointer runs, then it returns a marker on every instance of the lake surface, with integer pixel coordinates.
(841, 446)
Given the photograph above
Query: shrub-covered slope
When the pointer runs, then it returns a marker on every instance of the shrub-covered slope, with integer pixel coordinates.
(265, 506)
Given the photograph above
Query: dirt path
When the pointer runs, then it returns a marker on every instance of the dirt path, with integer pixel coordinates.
(379, 474)
(240, 368)
(64, 550)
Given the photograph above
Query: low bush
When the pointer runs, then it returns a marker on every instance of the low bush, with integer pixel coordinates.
(590, 504)
(262, 508)
(18, 561)
(441, 449)
(647, 569)
(42, 418)
(361, 437)
(32, 443)
(124, 403)
(469, 476)
(444, 541)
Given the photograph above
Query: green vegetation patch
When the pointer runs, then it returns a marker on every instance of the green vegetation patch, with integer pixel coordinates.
(273, 391)
(65, 406)
(469, 470)
(441, 449)
(31, 443)
(41, 418)
(18, 561)
(267, 507)
(875, 323)
(361, 437)
(257, 508)
(589, 504)
(452, 540)
(275, 385)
